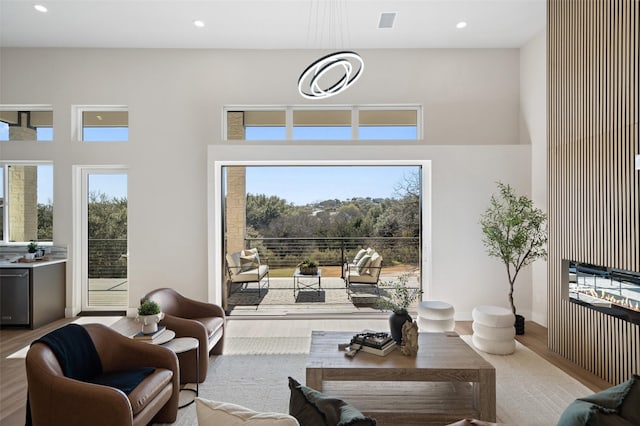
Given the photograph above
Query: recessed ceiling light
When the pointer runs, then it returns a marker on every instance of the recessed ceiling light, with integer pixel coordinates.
(198, 23)
(40, 8)
(460, 25)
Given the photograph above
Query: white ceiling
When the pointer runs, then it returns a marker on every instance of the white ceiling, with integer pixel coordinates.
(269, 24)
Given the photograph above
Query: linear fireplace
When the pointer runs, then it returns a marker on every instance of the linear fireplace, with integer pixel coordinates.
(612, 291)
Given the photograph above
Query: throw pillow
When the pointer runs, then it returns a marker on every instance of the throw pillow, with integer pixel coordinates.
(376, 262)
(214, 413)
(249, 252)
(363, 264)
(311, 408)
(249, 262)
(359, 255)
(615, 406)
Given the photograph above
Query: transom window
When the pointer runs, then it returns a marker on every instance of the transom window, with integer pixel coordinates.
(101, 123)
(26, 123)
(323, 123)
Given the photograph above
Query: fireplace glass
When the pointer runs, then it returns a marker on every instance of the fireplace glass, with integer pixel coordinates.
(609, 290)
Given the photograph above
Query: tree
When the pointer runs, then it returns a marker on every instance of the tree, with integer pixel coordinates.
(45, 222)
(514, 232)
(261, 210)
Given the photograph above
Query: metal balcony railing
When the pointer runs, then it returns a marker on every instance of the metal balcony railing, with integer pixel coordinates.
(107, 258)
(288, 252)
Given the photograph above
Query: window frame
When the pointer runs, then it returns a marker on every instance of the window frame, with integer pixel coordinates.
(77, 124)
(30, 108)
(355, 122)
(6, 231)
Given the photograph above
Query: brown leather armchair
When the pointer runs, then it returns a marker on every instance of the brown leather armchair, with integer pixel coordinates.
(191, 318)
(58, 400)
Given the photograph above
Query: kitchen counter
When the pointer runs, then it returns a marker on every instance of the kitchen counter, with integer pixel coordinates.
(32, 294)
(6, 264)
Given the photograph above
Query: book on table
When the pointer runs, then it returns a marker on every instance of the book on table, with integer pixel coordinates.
(150, 336)
(377, 343)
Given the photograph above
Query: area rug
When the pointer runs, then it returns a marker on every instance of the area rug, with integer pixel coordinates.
(530, 391)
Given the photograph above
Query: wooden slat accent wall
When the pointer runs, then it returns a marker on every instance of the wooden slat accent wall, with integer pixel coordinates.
(594, 195)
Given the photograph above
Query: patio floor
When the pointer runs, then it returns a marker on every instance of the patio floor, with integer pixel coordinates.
(281, 299)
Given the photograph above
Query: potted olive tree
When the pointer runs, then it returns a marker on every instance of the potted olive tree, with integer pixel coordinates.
(514, 232)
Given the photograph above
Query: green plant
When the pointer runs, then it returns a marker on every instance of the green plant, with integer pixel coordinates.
(32, 247)
(514, 232)
(148, 307)
(307, 263)
(398, 294)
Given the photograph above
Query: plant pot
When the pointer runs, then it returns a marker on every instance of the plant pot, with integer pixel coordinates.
(30, 256)
(150, 322)
(519, 324)
(396, 321)
(308, 270)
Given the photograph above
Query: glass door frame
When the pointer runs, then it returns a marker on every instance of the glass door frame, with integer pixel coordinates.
(80, 295)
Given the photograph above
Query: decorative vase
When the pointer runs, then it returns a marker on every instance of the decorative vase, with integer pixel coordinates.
(396, 321)
(150, 322)
(519, 324)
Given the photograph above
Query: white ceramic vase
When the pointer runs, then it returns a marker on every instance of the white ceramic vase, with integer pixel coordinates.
(150, 322)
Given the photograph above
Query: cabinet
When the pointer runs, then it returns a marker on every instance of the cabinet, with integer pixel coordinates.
(32, 296)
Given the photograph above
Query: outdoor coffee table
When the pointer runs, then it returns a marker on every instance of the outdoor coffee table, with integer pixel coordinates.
(310, 280)
(445, 382)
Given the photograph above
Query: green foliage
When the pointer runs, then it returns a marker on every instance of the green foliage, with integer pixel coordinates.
(107, 219)
(261, 210)
(32, 247)
(148, 307)
(107, 225)
(514, 232)
(307, 263)
(45, 222)
(398, 295)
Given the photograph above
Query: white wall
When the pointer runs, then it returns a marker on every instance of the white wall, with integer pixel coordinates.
(175, 97)
(533, 103)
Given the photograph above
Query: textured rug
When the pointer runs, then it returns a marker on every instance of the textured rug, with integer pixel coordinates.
(530, 391)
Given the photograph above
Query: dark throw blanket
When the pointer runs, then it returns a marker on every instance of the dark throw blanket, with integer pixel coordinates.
(79, 360)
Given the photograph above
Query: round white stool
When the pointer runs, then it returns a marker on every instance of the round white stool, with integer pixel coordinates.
(493, 330)
(435, 316)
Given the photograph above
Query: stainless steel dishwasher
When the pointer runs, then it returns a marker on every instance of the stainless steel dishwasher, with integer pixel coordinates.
(14, 296)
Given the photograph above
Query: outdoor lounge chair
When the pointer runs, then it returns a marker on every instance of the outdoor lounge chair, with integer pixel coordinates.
(245, 267)
(365, 271)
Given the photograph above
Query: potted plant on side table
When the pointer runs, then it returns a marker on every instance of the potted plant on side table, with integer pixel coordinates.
(514, 232)
(308, 267)
(397, 299)
(149, 315)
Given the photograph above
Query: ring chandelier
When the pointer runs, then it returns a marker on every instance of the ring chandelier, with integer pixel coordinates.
(310, 84)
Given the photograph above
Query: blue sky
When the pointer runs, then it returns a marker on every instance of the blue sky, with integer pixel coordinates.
(305, 184)
(299, 185)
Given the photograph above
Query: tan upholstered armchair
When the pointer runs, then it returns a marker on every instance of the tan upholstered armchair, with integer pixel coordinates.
(364, 270)
(58, 400)
(192, 318)
(246, 267)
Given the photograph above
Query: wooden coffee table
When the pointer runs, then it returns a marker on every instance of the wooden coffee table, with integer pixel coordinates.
(445, 382)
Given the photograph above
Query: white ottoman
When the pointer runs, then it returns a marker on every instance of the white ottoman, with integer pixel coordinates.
(435, 316)
(493, 330)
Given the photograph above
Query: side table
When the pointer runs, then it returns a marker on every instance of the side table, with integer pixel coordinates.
(180, 345)
(299, 285)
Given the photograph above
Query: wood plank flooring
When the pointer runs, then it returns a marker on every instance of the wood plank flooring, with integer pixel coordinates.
(13, 383)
